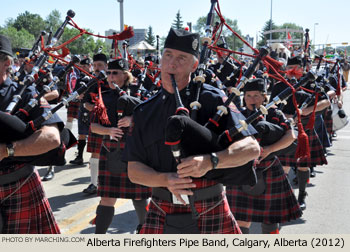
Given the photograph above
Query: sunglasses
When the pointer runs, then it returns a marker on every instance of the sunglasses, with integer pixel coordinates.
(110, 72)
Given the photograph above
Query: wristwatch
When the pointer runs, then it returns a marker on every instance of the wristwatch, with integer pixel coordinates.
(10, 150)
(214, 160)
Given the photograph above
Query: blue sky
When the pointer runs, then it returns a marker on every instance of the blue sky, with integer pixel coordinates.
(100, 15)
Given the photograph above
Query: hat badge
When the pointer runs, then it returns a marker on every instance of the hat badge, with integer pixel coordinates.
(121, 63)
(195, 44)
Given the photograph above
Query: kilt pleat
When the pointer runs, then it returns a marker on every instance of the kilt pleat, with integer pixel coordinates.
(328, 121)
(276, 205)
(94, 142)
(117, 185)
(317, 154)
(73, 108)
(28, 210)
(218, 220)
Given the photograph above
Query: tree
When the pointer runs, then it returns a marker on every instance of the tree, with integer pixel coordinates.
(19, 39)
(295, 35)
(279, 35)
(85, 45)
(232, 41)
(150, 39)
(53, 21)
(269, 25)
(178, 23)
(33, 23)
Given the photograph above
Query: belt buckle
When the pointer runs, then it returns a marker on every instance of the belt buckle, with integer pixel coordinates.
(183, 196)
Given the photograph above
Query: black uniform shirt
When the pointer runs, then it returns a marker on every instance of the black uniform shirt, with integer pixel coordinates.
(146, 144)
(274, 116)
(7, 90)
(289, 108)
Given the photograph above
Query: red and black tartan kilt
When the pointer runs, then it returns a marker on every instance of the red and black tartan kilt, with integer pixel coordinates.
(219, 220)
(276, 205)
(27, 211)
(113, 185)
(328, 121)
(73, 108)
(317, 156)
(94, 142)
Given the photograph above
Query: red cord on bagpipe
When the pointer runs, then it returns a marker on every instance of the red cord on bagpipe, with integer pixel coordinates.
(303, 149)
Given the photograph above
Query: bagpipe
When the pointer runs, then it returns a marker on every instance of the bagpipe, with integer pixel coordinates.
(32, 54)
(203, 60)
(125, 102)
(30, 78)
(307, 49)
(186, 137)
(14, 129)
(21, 113)
(269, 133)
(143, 91)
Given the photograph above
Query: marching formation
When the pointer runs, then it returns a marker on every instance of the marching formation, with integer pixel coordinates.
(201, 142)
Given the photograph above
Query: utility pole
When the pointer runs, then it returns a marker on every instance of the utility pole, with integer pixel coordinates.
(121, 9)
(271, 23)
(314, 42)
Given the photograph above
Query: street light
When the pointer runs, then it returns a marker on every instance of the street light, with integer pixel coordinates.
(315, 35)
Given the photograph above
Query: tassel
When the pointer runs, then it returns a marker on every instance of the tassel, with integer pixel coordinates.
(100, 108)
(311, 122)
(303, 149)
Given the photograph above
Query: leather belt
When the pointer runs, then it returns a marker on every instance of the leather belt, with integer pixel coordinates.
(198, 194)
(16, 175)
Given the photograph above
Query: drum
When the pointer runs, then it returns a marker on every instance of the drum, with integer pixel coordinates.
(340, 119)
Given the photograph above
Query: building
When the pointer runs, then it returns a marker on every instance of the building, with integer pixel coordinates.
(139, 35)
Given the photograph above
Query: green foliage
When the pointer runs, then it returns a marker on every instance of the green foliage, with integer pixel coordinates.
(53, 21)
(24, 30)
(19, 39)
(150, 38)
(295, 35)
(232, 41)
(84, 45)
(280, 35)
(33, 23)
(269, 25)
(178, 23)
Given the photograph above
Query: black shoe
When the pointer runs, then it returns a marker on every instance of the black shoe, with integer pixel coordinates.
(77, 161)
(91, 189)
(138, 228)
(49, 175)
(312, 172)
(301, 200)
